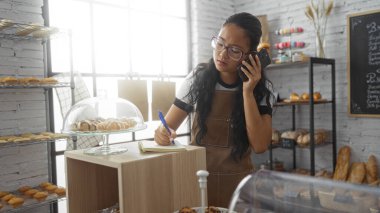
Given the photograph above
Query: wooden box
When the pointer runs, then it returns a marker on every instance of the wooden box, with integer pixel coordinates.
(139, 182)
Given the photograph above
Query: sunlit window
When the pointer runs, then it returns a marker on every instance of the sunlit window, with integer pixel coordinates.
(121, 36)
(116, 40)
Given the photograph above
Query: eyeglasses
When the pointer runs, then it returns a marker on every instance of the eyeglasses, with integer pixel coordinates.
(235, 53)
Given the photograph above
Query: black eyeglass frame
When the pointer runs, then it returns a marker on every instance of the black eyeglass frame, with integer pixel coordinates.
(228, 48)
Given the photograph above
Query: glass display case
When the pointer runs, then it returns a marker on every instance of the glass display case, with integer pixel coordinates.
(270, 191)
(102, 116)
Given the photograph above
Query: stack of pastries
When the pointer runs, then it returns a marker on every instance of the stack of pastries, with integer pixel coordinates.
(11, 80)
(24, 193)
(302, 136)
(29, 137)
(294, 97)
(101, 124)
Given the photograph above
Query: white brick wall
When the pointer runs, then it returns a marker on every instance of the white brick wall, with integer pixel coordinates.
(206, 18)
(22, 110)
(362, 134)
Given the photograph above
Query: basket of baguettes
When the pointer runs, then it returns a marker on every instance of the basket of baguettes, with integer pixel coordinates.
(355, 173)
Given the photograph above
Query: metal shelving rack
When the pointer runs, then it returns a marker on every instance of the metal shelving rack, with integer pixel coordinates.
(311, 62)
(11, 32)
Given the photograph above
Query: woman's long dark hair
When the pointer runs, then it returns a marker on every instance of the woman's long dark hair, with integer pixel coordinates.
(205, 78)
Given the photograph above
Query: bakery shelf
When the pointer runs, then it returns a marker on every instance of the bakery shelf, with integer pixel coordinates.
(316, 145)
(311, 63)
(280, 145)
(30, 203)
(285, 65)
(280, 104)
(30, 142)
(30, 86)
(11, 30)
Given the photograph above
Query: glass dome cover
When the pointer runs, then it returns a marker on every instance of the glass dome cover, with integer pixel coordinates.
(268, 191)
(102, 116)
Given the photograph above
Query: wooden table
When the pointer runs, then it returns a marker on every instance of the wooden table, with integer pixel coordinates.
(139, 182)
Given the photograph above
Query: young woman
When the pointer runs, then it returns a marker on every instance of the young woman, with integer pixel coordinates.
(231, 116)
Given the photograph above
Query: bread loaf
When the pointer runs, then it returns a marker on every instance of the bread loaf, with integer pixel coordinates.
(371, 169)
(357, 173)
(290, 135)
(317, 96)
(294, 97)
(305, 96)
(342, 164)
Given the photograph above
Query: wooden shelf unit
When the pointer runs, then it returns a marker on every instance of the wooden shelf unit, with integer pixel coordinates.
(139, 182)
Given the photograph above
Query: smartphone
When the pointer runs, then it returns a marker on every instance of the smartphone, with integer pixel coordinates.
(264, 61)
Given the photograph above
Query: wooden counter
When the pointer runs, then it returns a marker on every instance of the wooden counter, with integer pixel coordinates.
(139, 182)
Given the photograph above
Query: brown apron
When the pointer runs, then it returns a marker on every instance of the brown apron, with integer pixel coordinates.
(225, 172)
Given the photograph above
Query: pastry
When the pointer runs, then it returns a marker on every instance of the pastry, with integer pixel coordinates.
(10, 80)
(317, 96)
(212, 209)
(2, 194)
(45, 184)
(1, 205)
(51, 188)
(342, 164)
(371, 169)
(40, 196)
(357, 173)
(60, 191)
(305, 96)
(186, 210)
(7, 197)
(41, 137)
(31, 192)
(23, 189)
(3, 141)
(29, 80)
(84, 125)
(294, 97)
(290, 135)
(16, 202)
(305, 140)
(113, 126)
(49, 80)
(263, 45)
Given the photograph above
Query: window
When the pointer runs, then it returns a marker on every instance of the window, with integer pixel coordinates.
(117, 39)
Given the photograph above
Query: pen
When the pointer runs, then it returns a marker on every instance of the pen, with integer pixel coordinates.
(163, 121)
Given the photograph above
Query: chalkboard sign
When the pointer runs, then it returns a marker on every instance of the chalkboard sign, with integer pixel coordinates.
(363, 64)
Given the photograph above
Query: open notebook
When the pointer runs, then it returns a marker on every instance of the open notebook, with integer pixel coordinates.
(152, 146)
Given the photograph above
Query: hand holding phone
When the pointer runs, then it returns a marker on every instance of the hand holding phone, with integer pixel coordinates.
(264, 61)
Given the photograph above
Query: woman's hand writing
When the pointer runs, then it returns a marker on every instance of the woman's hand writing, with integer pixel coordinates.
(162, 136)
